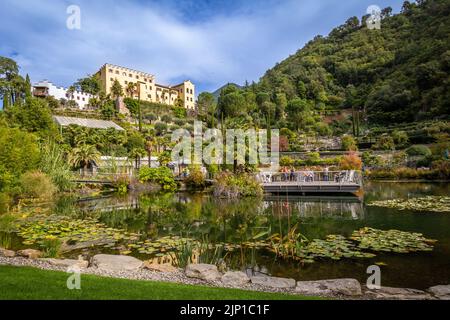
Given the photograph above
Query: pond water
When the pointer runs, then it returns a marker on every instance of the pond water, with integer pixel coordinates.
(200, 216)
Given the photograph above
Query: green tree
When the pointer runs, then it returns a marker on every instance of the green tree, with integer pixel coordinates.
(90, 84)
(116, 89)
(83, 156)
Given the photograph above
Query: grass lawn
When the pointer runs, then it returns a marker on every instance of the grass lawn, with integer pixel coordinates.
(26, 283)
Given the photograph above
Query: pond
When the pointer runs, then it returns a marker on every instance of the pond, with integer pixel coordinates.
(159, 220)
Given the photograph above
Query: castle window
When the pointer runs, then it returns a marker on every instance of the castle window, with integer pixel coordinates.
(130, 75)
(117, 71)
(110, 70)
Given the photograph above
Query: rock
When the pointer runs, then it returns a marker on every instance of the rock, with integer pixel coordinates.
(69, 263)
(235, 278)
(108, 262)
(7, 253)
(203, 271)
(164, 267)
(389, 293)
(30, 253)
(347, 287)
(273, 282)
(441, 292)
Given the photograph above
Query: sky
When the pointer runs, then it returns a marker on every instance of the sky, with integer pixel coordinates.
(210, 42)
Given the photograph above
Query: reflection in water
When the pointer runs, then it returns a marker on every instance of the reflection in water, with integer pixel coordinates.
(240, 221)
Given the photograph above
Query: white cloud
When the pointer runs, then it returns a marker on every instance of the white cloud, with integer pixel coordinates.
(211, 52)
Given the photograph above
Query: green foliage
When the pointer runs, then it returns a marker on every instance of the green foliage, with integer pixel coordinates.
(418, 150)
(51, 247)
(228, 185)
(397, 75)
(132, 105)
(371, 160)
(116, 89)
(162, 176)
(90, 84)
(33, 116)
(83, 155)
(179, 112)
(54, 164)
(38, 185)
(401, 138)
(385, 142)
(19, 152)
(160, 128)
(196, 179)
(349, 143)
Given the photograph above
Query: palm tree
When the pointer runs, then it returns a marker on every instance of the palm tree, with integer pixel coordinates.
(131, 89)
(83, 155)
(136, 154)
(149, 147)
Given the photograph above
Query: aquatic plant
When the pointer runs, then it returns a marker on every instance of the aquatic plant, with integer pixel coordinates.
(183, 256)
(391, 240)
(336, 247)
(51, 247)
(429, 203)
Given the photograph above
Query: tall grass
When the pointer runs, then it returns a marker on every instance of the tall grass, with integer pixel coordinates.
(54, 164)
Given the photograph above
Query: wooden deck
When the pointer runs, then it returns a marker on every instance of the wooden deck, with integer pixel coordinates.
(311, 187)
(318, 182)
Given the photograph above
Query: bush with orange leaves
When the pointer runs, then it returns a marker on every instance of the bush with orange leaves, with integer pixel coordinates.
(351, 161)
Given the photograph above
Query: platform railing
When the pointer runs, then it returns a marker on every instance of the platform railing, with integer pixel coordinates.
(306, 177)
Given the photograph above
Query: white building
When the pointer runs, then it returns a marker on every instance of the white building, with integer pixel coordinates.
(46, 88)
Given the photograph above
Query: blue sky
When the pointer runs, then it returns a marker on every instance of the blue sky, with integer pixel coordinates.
(209, 42)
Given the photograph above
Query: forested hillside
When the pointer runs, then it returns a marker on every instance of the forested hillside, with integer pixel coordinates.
(399, 73)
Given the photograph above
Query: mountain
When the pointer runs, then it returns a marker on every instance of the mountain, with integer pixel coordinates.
(399, 73)
(216, 93)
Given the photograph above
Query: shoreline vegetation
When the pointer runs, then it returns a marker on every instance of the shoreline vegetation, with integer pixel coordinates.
(38, 284)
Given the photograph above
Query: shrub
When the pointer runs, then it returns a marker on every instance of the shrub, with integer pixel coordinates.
(160, 128)
(418, 150)
(36, 184)
(385, 142)
(312, 158)
(401, 138)
(228, 185)
(166, 118)
(51, 247)
(162, 176)
(196, 179)
(371, 160)
(286, 161)
(4, 203)
(351, 161)
(349, 143)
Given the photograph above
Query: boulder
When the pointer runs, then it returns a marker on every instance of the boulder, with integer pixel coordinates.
(235, 278)
(273, 282)
(68, 263)
(389, 293)
(442, 291)
(164, 267)
(30, 253)
(203, 271)
(108, 262)
(7, 253)
(347, 287)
